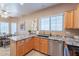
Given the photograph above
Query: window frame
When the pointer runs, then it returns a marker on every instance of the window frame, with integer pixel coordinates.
(12, 28)
(8, 27)
(62, 22)
(39, 26)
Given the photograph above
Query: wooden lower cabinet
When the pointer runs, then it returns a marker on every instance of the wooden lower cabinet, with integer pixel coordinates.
(28, 45)
(36, 43)
(22, 47)
(44, 45)
(26, 48)
(41, 44)
(20, 51)
(44, 49)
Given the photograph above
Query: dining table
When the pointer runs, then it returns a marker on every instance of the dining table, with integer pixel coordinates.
(4, 41)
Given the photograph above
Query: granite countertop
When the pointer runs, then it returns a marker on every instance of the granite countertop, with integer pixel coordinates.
(56, 38)
(69, 41)
(72, 41)
(20, 37)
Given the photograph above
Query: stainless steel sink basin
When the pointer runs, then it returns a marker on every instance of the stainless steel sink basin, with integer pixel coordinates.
(40, 35)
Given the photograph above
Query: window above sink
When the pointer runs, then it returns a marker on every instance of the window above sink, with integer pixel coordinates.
(52, 23)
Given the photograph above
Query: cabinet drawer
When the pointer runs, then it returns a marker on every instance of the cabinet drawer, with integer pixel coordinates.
(19, 43)
(26, 40)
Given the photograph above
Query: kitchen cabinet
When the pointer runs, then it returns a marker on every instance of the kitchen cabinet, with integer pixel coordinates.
(43, 45)
(20, 47)
(28, 45)
(24, 46)
(69, 19)
(76, 18)
(36, 43)
(55, 48)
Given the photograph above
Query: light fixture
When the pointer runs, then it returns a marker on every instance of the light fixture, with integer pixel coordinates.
(3, 12)
(21, 3)
(4, 15)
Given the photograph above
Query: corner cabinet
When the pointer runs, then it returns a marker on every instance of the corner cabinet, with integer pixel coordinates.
(21, 47)
(36, 43)
(41, 44)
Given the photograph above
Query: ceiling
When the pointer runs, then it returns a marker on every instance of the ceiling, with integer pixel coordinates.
(16, 9)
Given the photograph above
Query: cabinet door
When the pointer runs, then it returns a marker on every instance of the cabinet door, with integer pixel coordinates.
(76, 18)
(44, 46)
(36, 43)
(69, 19)
(30, 44)
(18, 51)
(27, 46)
(20, 48)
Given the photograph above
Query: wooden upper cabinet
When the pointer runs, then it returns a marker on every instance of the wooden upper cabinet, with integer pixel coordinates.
(76, 18)
(69, 19)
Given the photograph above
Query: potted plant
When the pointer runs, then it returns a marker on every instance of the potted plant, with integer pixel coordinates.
(29, 31)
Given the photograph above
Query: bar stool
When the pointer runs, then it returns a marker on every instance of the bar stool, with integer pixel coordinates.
(4, 42)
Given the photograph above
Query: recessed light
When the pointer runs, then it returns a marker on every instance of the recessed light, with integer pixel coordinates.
(21, 3)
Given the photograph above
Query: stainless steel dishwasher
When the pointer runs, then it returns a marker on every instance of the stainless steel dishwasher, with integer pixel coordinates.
(56, 48)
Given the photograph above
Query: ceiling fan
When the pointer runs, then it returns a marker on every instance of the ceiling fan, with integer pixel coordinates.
(3, 13)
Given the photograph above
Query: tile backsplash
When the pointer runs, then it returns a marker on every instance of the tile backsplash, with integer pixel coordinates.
(74, 32)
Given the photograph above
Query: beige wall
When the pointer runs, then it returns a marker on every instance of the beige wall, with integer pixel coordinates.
(53, 10)
(27, 23)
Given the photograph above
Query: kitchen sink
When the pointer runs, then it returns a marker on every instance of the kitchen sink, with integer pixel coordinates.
(41, 35)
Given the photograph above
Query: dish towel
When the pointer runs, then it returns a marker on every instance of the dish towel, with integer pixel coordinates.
(66, 52)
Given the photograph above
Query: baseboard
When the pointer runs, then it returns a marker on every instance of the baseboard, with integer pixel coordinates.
(41, 52)
(37, 51)
(28, 52)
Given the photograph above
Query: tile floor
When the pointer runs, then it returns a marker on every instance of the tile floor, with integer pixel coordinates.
(35, 53)
(5, 51)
